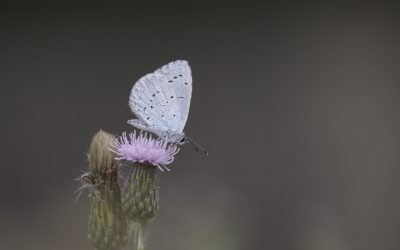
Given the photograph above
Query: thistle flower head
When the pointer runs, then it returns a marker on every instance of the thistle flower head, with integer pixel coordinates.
(100, 158)
(143, 148)
(102, 163)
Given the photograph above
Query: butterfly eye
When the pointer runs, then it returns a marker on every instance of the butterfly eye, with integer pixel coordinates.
(183, 139)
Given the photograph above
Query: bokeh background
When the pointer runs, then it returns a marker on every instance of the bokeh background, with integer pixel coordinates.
(298, 105)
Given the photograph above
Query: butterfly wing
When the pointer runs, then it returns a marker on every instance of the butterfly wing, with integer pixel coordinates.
(142, 125)
(161, 100)
(179, 77)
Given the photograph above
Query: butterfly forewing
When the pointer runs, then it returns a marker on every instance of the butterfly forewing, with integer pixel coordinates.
(179, 77)
(162, 99)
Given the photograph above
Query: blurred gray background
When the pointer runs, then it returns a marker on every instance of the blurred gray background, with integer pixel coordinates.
(298, 105)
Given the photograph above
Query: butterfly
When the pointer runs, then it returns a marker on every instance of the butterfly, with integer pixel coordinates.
(161, 102)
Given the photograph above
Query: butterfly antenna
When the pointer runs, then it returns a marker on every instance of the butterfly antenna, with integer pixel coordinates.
(197, 146)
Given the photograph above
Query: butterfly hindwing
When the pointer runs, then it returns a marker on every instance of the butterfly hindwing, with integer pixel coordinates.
(140, 125)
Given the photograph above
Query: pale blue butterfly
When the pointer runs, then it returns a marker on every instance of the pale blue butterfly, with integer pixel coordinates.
(161, 102)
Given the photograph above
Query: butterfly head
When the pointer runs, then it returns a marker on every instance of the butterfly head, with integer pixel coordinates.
(175, 138)
(182, 138)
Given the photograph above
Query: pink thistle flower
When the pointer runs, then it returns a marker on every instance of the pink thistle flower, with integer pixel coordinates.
(143, 148)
